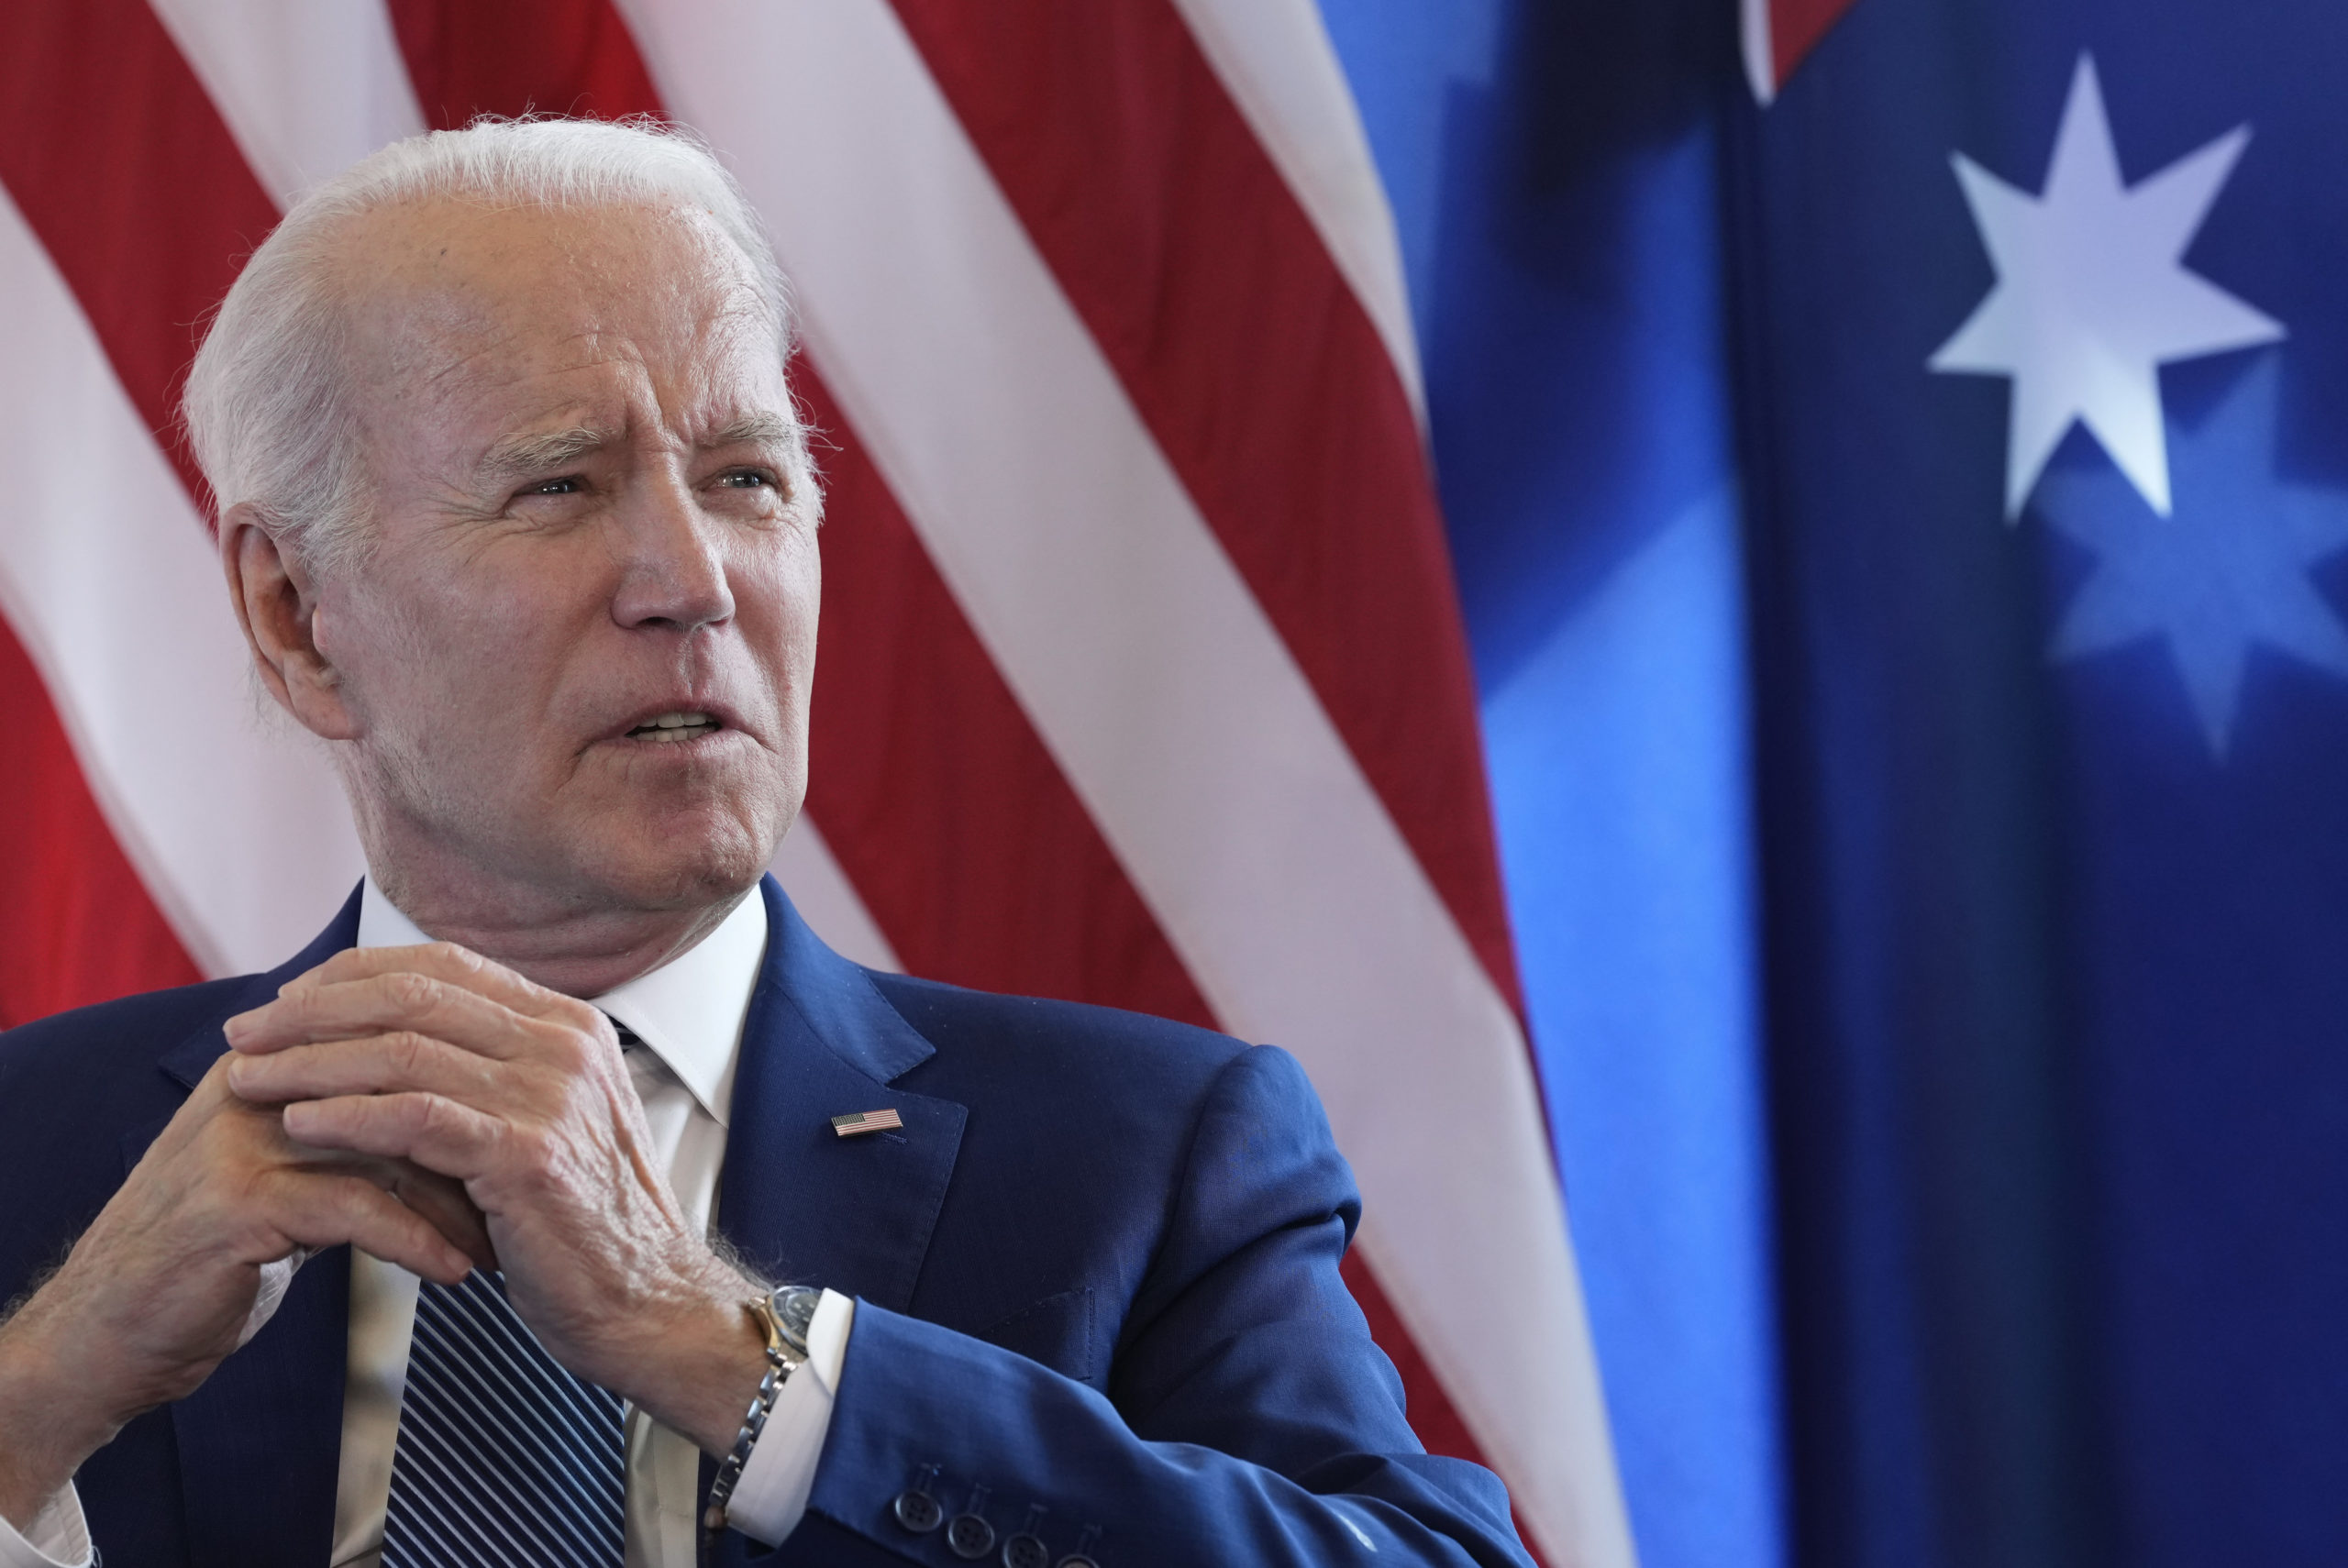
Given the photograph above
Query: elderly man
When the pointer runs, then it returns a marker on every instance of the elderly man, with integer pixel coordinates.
(519, 519)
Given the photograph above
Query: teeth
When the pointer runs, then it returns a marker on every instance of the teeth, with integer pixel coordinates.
(678, 726)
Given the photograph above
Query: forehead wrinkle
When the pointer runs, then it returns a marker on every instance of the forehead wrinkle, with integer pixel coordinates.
(433, 299)
(593, 348)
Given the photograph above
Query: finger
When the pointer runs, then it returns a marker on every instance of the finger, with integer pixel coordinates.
(440, 1199)
(437, 1132)
(381, 1064)
(378, 1004)
(459, 967)
(444, 1205)
(317, 1209)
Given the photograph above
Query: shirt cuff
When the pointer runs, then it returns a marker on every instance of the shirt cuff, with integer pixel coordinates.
(776, 1479)
(59, 1536)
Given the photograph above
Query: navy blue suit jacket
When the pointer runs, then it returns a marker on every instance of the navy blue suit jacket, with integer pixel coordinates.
(1097, 1282)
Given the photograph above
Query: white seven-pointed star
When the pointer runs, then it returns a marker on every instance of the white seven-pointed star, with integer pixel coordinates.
(2092, 296)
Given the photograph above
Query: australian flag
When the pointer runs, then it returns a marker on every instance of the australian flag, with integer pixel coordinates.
(1896, 460)
(2042, 358)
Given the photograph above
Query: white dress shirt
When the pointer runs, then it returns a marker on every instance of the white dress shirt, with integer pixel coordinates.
(689, 1015)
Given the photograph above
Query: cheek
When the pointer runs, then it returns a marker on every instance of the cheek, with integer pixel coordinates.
(485, 653)
(450, 660)
(807, 594)
(782, 591)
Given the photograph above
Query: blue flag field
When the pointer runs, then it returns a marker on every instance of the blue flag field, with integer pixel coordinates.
(1902, 520)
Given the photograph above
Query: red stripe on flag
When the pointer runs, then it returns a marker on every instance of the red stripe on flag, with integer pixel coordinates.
(935, 794)
(1795, 28)
(467, 57)
(147, 208)
(75, 924)
(142, 197)
(995, 851)
(1254, 365)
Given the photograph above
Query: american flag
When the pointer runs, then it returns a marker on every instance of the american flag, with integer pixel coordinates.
(858, 1123)
(1142, 676)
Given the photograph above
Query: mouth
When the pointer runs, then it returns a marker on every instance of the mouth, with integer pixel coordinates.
(677, 727)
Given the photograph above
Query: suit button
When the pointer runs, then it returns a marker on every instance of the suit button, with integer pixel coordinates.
(917, 1510)
(1073, 1561)
(1023, 1550)
(969, 1536)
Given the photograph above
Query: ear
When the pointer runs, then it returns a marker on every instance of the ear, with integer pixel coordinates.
(278, 608)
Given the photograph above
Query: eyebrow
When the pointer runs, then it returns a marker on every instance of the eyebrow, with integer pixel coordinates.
(527, 455)
(761, 429)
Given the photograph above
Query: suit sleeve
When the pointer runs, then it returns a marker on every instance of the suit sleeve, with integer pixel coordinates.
(1248, 1419)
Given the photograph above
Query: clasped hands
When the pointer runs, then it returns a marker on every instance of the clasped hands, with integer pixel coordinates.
(429, 1107)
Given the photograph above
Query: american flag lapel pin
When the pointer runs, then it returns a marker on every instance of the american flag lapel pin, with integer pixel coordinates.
(857, 1123)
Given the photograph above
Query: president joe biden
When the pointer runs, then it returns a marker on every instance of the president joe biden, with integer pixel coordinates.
(567, 1201)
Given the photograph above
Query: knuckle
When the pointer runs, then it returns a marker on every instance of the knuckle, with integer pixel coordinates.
(529, 1151)
(439, 1118)
(409, 990)
(570, 1051)
(247, 1191)
(350, 1197)
(407, 1051)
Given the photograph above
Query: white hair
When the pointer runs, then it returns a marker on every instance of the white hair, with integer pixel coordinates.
(264, 409)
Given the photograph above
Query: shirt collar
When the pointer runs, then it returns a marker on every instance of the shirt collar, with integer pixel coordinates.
(689, 1012)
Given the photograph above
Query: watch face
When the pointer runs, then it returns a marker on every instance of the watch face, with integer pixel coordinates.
(794, 1305)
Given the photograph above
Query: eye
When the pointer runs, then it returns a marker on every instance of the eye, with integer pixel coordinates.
(748, 479)
(570, 485)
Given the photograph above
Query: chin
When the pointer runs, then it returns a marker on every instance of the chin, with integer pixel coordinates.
(678, 864)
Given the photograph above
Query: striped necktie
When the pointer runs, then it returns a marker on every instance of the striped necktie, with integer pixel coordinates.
(505, 1460)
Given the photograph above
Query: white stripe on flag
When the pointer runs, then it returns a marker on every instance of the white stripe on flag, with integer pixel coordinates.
(1759, 48)
(113, 585)
(307, 87)
(1276, 62)
(1169, 702)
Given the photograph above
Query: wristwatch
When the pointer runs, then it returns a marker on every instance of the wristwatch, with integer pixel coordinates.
(786, 1313)
(783, 1315)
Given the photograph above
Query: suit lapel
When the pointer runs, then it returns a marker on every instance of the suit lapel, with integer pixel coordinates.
(260, 1443)
(852, 1214)
(186, 1063)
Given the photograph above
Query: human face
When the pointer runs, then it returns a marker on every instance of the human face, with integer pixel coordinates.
(575, 652)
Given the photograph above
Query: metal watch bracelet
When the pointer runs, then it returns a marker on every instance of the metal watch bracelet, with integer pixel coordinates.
(782, 1315)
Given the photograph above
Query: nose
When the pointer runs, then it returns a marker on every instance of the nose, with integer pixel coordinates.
(673, 564)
